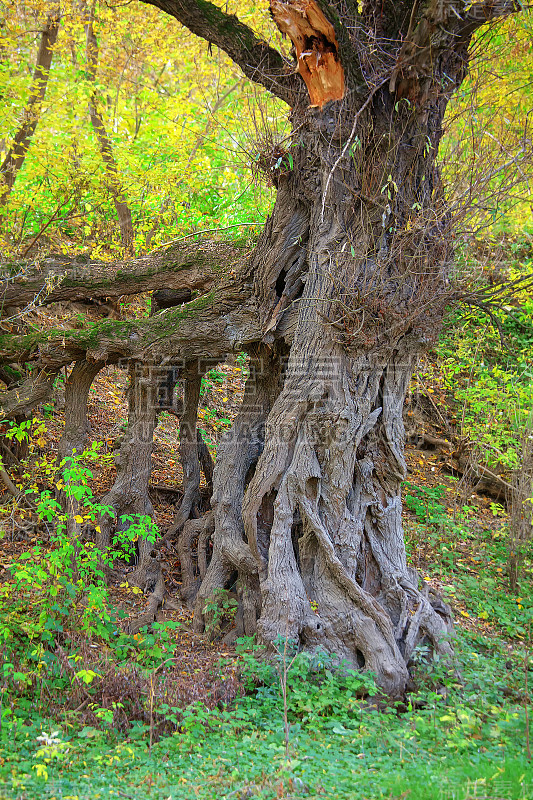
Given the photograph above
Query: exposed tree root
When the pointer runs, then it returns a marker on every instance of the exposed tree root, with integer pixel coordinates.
(155, 586)
(481, 479)
(237, 456)
(194, 538)
(129, 494)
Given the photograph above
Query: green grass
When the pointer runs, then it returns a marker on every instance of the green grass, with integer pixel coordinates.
(471, 738)
(460, 734)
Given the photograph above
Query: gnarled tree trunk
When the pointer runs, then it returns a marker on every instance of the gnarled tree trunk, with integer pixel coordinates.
(351, 272)
(77, 389)
(345, 289)
(320, 543)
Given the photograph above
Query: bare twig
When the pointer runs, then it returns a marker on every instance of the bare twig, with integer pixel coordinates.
(350, 140)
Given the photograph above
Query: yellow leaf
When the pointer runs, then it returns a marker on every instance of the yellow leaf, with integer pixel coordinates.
(78, 519)
(98, 529)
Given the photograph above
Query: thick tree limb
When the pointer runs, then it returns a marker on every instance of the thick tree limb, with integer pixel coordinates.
(259, 62)
(440, 30)
(212, 326)
(477, 14)
(209, 335)
(195, 266)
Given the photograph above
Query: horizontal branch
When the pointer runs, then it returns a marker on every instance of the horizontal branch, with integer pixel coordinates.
(259, 62)
(196, 266)
(223, 321)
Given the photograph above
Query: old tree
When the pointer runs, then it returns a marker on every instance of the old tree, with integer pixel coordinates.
(345, 288)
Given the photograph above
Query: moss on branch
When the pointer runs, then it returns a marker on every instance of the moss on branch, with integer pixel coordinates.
(193, 265)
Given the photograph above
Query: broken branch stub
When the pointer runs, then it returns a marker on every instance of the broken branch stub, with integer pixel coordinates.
(316, 47)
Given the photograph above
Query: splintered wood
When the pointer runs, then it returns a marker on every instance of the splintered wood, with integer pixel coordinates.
(316, 47)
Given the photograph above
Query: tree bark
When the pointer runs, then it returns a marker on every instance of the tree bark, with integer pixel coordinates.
(349, 280)
(189, 455)
(104, 142)
(74, 438)
(20, 401)
(238, 454)
(352, 270)
(183, 266)
(222, 321)
(129, 494)
(14, 160)
(316, 535)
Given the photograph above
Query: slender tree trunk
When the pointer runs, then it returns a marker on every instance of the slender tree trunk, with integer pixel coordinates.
(74, 438)
(14, 160)
(521, 517)
(189, 451)
(104, 142)
(75, 433)
(129, 494)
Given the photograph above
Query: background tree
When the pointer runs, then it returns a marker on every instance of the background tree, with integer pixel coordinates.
(168, 120)
(106, 148)
(13, 161)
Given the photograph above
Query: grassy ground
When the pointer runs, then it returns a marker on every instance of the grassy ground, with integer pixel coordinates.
(467, 742)
(461, 733)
